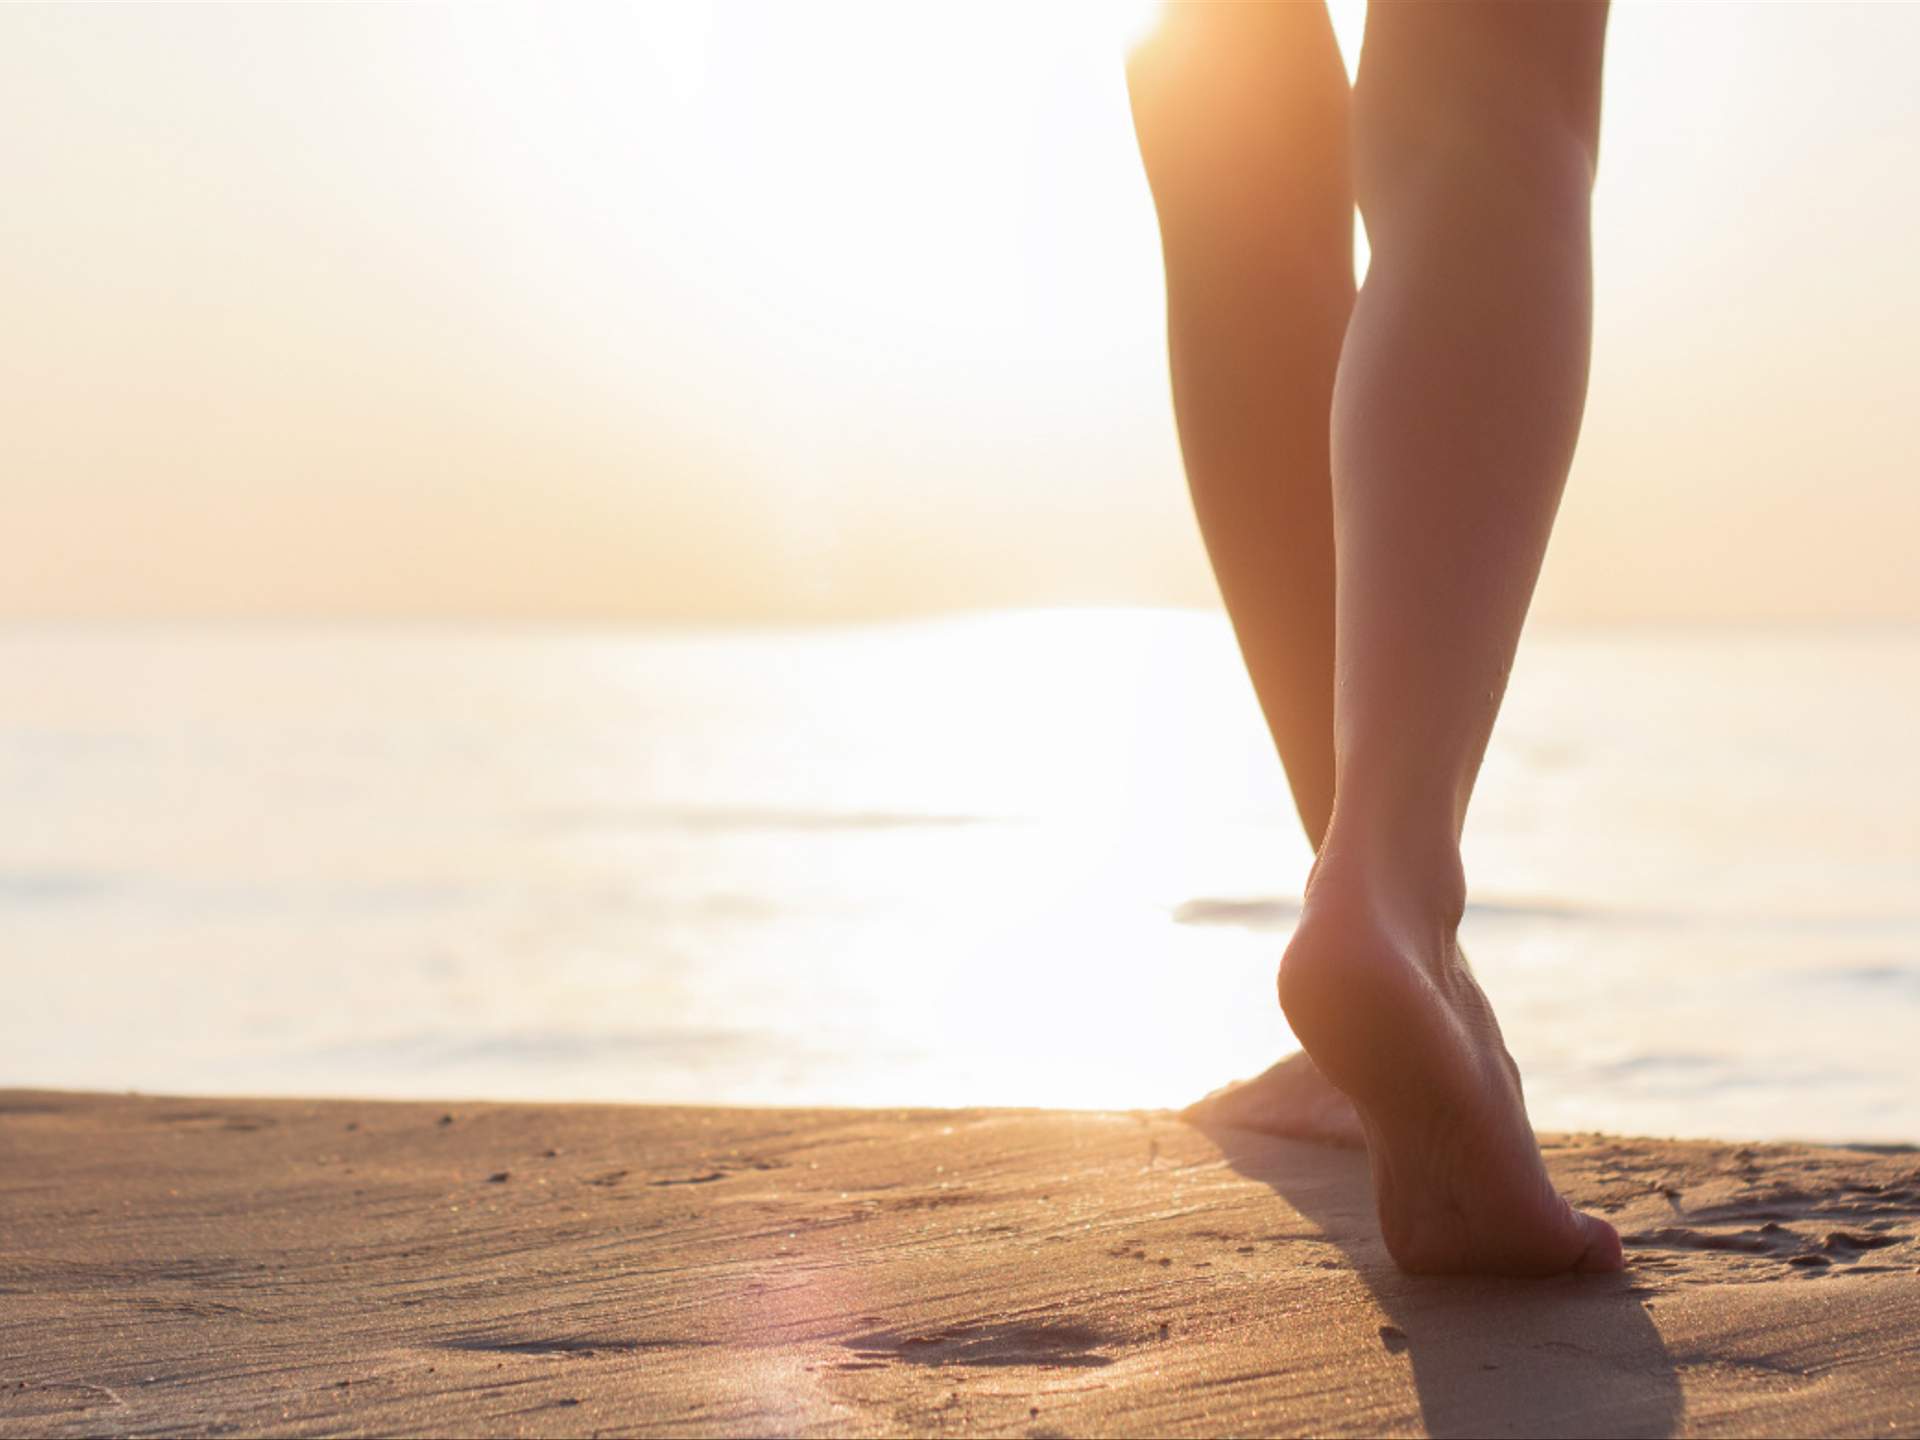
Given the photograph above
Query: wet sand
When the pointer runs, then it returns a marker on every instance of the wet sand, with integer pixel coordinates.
(291, 1267)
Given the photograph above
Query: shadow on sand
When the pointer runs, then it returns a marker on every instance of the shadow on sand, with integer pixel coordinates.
(1566, 1356)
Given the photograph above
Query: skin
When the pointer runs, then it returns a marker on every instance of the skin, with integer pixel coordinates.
(1376, 477)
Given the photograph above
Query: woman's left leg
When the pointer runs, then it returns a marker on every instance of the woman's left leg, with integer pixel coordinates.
(1242, 116)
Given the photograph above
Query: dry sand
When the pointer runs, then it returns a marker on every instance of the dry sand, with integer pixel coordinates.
(287, 1267)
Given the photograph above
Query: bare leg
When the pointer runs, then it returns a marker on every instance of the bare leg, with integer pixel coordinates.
(1459, 398)
(1242, 114)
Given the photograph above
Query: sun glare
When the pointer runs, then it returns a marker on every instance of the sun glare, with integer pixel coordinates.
(808, 285)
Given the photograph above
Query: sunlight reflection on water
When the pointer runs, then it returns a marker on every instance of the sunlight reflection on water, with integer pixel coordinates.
(1038, 859)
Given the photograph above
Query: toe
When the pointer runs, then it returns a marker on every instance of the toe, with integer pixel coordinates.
(1603, 1255)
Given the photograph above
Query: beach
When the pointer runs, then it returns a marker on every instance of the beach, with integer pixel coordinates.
(1037, 860)
(679, 712)
(295, 1267)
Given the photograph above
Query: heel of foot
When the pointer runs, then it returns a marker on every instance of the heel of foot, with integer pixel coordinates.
(1387, 1008)
(1353, 1003)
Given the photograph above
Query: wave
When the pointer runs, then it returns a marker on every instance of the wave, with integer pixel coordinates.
(724, 819)
(1270, 912)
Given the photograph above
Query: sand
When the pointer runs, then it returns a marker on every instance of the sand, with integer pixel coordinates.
(291, 1267)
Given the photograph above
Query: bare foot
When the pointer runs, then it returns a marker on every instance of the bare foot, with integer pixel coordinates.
(1290, 1098)
(1379, 994)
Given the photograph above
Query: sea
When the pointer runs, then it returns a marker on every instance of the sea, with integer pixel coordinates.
(1014, 859)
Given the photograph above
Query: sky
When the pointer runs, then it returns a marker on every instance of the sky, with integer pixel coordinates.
(711, 312)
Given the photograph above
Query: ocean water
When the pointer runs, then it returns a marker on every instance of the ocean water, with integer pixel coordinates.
(1021, 859)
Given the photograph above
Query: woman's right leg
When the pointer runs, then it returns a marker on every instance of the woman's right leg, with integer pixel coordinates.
(1459, 399)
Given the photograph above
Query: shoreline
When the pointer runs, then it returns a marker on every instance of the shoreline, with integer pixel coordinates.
(343, 1266)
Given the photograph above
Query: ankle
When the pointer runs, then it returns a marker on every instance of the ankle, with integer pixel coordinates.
(1399, 875)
